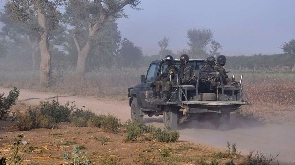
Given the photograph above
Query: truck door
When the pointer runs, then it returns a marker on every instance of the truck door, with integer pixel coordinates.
(146, 90)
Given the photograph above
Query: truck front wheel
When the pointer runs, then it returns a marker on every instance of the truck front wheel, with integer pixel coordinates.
(135, 111)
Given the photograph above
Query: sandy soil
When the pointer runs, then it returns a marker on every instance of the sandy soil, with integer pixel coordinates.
(269, 138)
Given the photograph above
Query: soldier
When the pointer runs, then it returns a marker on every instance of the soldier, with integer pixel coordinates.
(185, 71)
(209, 64)
(206, 75)
(219, 67)
(165, 81)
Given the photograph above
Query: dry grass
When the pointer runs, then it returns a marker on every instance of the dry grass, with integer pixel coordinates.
(267, 91)
(272, 95)
(101, 83)
(48, 146)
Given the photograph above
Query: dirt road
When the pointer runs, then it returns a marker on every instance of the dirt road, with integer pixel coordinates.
(266, 138)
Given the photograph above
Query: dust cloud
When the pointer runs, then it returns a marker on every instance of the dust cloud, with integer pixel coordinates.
(276, 140)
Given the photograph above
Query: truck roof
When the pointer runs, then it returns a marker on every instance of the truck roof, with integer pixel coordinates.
(177, 60)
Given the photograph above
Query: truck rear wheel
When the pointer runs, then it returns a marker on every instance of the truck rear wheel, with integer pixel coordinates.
(170, 118)
(135, 111)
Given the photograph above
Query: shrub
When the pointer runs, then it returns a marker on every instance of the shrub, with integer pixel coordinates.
(7, 102)
(76, 157)
(58, 112)
(110, 123)
(165, 135)
(136, 129)
(259, 158)
(24, 122)
(19, 150)
(95, 121)
(80, 117)
(34, 119)
(231, 152)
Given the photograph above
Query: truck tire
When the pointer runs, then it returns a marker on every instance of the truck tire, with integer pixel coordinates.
(135, 111)
(170, 118)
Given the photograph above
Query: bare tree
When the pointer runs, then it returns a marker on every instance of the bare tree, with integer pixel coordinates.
(163, 44)
(215, 46)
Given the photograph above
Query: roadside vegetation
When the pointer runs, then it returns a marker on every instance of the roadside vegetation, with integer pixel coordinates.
(65, 134)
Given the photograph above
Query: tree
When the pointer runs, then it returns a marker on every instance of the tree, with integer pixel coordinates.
(106, 41)
(45, 13)
(87, 16)
(198, 40)
(289, 47)
(22, 36)
(163, 44)
(106, 47)
(129, 54)
(215, 46)
(7, 102)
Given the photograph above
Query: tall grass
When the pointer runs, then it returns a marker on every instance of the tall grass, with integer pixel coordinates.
(104, 82)
(271, 87)
(260, 86)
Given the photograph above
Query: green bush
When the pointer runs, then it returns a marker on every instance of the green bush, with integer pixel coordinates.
(7, 102)
(136, 129)
(80, 118)
(34, 119)
(95, 121)
(60, 113)
(165, 135)
(24, 122)
(110, 123)
(48, 114)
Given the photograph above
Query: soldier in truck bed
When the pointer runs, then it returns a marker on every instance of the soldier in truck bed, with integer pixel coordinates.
(209, 64)
(165, 81)
(185, 71)
(219, 67)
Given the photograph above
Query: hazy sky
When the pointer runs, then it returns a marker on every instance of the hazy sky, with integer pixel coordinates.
(240, 26)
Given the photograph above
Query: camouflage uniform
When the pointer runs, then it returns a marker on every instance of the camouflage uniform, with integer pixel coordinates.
(207, 73)
(164, 79)
(222, 73)
(185, 74)
(221, 60)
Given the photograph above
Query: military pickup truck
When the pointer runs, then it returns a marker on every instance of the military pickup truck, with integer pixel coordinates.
(208, 99)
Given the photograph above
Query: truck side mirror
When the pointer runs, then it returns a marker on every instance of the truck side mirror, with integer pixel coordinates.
(142, 78)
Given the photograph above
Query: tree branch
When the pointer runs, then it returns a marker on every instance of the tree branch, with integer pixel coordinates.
(76, 43)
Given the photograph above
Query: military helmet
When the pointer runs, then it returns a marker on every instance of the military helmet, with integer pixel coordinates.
(210, 59)
(184, 58)
(168, 58)
(221, 60)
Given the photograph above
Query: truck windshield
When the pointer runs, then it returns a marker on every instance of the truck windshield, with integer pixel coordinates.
(150, 77)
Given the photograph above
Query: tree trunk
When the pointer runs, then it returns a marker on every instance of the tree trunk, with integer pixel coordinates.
(45, 55)
(81, 62)
(83, 53)
(34, 55)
